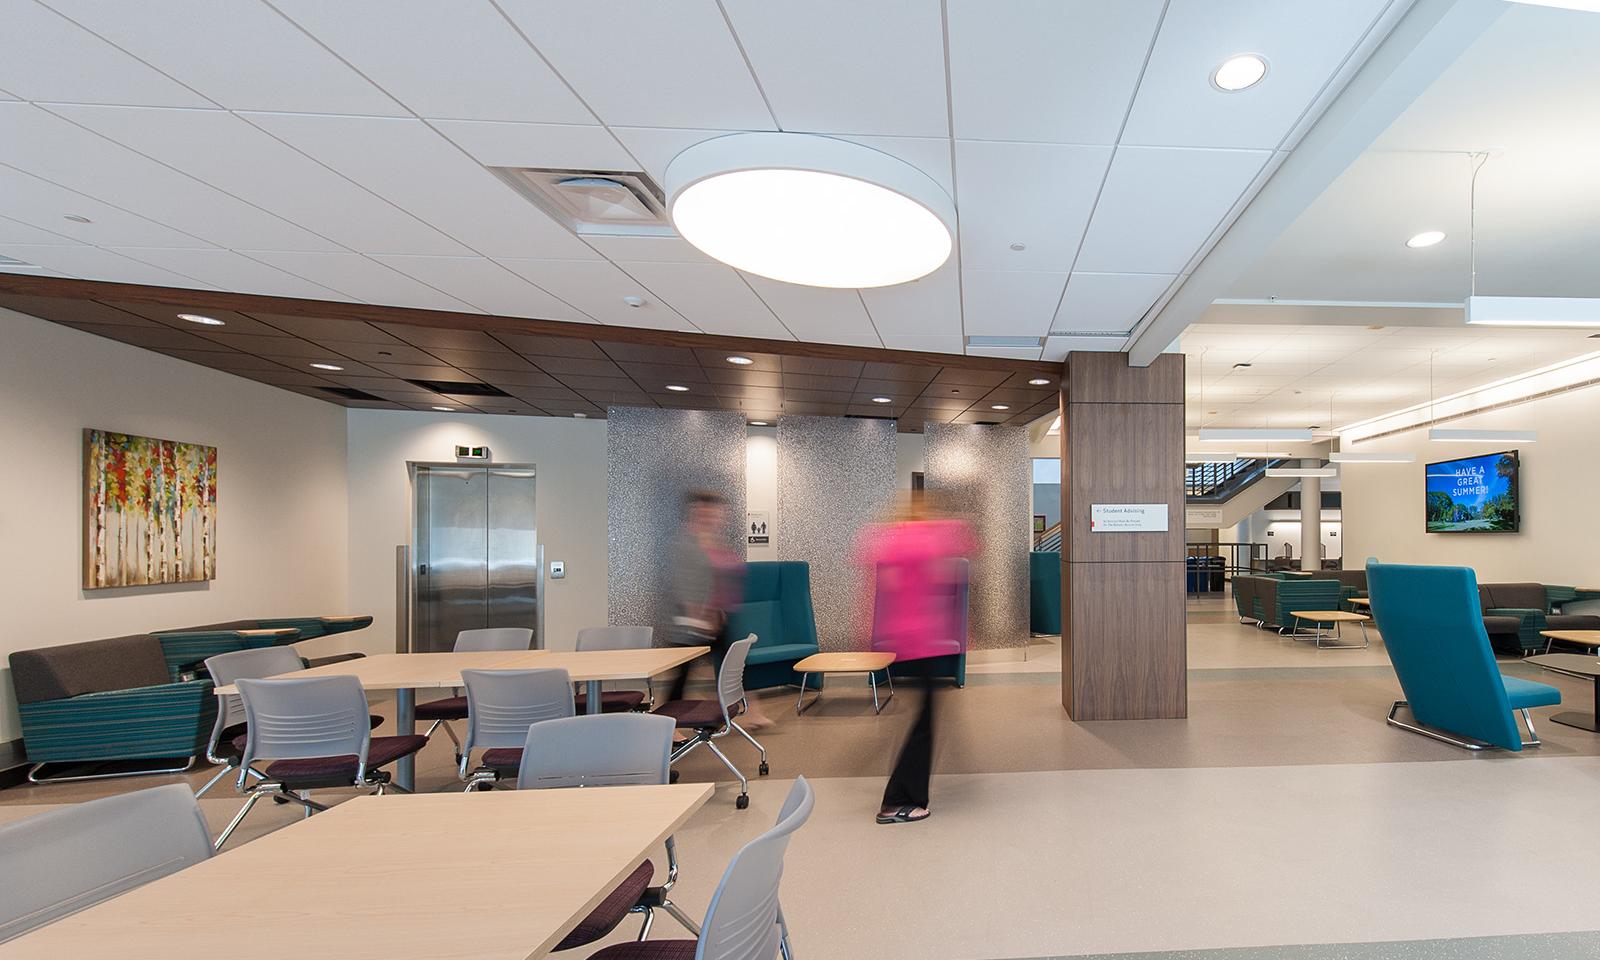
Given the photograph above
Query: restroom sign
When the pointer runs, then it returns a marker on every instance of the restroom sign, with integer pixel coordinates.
(1128, 517)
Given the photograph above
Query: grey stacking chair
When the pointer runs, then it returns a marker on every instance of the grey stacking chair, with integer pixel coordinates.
(442, 711)
(606, 751)
(617, 638)
(711, 720)
(745, 919)
(225, 668)
(69, 859)
(501, 706)
(317, 731)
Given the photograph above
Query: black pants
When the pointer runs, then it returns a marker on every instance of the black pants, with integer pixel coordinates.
(908, 784)
(719, 650)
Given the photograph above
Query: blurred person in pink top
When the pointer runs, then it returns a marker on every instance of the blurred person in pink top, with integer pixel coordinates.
(913, 616)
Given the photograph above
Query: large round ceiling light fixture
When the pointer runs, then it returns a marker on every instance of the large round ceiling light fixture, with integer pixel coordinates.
(810, 210)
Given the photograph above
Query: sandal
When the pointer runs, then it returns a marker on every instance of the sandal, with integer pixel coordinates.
(903, 815)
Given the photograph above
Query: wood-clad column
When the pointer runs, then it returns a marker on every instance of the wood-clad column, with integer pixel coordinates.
(1122, 622)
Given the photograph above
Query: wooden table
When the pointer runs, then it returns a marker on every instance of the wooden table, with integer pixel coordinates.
(1360, 602)
(1574, 665)
(406, 673)
(501, 875)
(1584, 638)
(1338, 618)
(866, 661)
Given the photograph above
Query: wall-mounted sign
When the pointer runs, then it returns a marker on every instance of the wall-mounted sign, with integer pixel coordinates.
(1202, 516)
(758, 528)
(1128, 517)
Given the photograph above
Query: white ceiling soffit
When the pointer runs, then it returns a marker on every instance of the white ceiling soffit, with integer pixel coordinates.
(1403, 61)
(296, 146)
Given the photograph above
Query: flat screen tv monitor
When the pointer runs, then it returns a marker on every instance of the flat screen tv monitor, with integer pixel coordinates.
(1474, 494)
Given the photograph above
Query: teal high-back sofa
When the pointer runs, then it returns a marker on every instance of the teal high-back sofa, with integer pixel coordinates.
(1434, 634)
(1274, 598)
(1044, 592)
(777, 609)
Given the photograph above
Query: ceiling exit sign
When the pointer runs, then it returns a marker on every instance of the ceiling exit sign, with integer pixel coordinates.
(471, 453)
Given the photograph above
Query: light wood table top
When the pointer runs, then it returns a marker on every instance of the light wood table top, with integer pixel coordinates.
(442, 671)
(264, 632)
(1588, 638)
(845, 661)
(1329, 616)
(1360, 602)
(501, 875)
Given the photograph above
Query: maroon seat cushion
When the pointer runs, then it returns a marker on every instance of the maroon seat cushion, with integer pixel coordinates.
(647, 950)
(450, 708)
(613, 701)
(503, 759)
(342, 770)
(693, 713)
(611, 911)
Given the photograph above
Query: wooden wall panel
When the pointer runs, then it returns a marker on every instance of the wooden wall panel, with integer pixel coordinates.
(1123, 636)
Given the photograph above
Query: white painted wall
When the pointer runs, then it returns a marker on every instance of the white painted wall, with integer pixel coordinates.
(1383, 503)
(761, 487)
(280, 491)
(570, 457)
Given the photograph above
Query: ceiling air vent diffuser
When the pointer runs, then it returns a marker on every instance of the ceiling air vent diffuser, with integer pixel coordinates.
(594, 202)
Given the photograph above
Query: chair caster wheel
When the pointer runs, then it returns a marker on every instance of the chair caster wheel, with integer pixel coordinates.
(743, 801)
(763, 770)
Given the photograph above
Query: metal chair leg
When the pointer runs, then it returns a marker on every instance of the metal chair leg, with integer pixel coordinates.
(213, 781)
(677, 914)
(1528, 719)
(743, 800)
(238, 818)
(753, 741)
(649, 918)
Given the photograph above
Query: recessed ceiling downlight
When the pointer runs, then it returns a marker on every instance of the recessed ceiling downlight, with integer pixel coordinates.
(1426, 238)
(326, 366)
(201, 319)
(1239, 72)
(810, 210)
(677, 388)
(739, 361)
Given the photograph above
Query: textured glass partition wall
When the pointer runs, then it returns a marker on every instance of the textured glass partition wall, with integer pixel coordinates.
(835, 474)
(654, 457)
(983, 473)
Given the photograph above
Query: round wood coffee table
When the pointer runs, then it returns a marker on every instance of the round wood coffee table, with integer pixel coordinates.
(1583, 638)
(868, 662)
(1336, 617)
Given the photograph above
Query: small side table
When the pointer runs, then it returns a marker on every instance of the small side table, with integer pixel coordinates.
(1338, 618)
(1583, 638)
(1573, 665)
(868, 662)
(1364, 603)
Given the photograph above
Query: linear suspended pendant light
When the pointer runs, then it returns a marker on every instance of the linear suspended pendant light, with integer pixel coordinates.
(810, 210)
(1209, 458)
(1302, 471)
(1237, 434)
(1533, 311)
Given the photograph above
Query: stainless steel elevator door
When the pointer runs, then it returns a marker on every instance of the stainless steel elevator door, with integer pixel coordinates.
(477, 553)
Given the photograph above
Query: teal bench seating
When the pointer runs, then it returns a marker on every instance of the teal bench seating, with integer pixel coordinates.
(1433, 630)
(187, 648)
(1515, 613)
(1273, 599)
(777, 609)
(1044, 592)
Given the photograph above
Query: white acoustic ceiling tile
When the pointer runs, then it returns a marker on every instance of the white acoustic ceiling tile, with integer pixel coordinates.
(818, 314)
(711, 296)
(360, 277)
(484, 284)
(621, 248)
(15, 231)
(645, 63)
(1160, 204)
(547, 145)
(92, 263)
(1057, 348)
(925, 343)
(220, 149)
(1108, 301)
(1303, 43)
(926, 307)
(654, 147)
(929, 154)
(436, 181)
(598, 288)
(240, 53)
(45, 56)
(43, 204)
(1036, 194)
(52, 148)
(1057, 71)
(1009, 303)
(841, 66)
(231, 271)
(458, 60)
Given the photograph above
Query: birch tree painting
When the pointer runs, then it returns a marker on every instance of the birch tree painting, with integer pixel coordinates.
(150, 510)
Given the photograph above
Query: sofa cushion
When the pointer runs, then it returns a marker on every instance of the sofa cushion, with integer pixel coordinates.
(1572, 621)
(762, 618)
(1524, 596)
(779, 652)
(95, 666)
(1522, 693)
(1502, 626)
